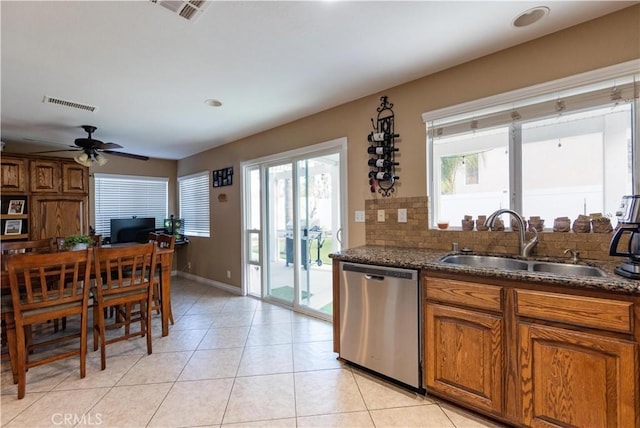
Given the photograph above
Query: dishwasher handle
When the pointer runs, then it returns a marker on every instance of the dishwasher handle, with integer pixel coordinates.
(370, 277)
(380, 272)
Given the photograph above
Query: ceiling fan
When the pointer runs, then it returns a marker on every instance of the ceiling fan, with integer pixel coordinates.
(92, 150)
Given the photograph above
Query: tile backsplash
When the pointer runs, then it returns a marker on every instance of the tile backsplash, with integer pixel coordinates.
(415, 233)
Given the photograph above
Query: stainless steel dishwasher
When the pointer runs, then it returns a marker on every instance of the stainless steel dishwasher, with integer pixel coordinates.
(379, 320)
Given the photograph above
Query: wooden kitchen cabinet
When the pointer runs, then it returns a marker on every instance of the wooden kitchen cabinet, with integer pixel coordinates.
(532, 354)
(573, 379)
(463, 344)
(56, 194)
(570, 377)
(44, 176)
(59, 215)
(75, 178)
(53, 176)
(13, 175)
(464, 355)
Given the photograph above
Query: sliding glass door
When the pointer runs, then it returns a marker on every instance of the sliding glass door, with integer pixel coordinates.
(319, 214)
(280, 249)
(301, 204)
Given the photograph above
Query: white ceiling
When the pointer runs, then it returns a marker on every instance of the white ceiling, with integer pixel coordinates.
(270, 62)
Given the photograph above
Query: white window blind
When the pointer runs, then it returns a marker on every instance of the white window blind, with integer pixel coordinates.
(124, 196)
(619, 91)
(194, 204)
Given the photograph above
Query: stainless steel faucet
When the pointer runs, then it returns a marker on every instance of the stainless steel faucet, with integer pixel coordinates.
(575, 255)
(525, 247)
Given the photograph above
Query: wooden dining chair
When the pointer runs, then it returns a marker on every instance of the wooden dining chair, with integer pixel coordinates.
(47, 287)
(7, 323)
(36, 246)
(123, 279)
(161, 240)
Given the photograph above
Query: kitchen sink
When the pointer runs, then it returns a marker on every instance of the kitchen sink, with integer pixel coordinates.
(486, 262)
(567, 269)
(511, 264)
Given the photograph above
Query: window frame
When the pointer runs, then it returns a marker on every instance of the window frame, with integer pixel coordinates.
(510, 100)
(199, 227)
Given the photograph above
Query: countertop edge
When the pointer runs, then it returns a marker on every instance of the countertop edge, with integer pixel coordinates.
(425, 259)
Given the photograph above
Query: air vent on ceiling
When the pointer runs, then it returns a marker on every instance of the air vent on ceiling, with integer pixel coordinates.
(188, 9)
(71, 104)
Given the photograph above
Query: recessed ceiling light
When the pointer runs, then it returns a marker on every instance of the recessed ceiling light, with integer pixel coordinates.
(530, 16)
(212, 103)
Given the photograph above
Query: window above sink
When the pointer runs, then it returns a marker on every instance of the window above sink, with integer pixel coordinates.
(556, 150)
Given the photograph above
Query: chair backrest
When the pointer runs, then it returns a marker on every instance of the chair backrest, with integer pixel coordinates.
(124, 268)
(97, 240)
(60, 243)
(37, 246)
(40, 281)
(19, 247)
(163, 240)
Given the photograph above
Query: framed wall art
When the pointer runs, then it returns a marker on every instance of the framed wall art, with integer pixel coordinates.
(13, 227)
(223, 177)
(16, 206)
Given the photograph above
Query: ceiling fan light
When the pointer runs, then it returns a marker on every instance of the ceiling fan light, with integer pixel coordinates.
(101, 159)
(82, 159)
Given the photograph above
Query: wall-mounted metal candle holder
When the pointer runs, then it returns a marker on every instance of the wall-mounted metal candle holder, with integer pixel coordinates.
(382, 176)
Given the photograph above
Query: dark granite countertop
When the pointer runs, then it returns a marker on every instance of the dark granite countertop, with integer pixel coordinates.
(413, 258)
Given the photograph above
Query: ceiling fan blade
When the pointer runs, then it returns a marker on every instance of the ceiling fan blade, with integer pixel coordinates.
(126, 155)
(56, 151)
(106, 146)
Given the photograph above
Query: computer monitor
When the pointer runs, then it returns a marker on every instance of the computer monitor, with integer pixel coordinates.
(134, 229)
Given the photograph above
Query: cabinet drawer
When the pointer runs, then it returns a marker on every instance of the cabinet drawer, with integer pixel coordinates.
(583, 311)
(465, 293)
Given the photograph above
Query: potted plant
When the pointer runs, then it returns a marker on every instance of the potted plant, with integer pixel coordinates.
(77, 242)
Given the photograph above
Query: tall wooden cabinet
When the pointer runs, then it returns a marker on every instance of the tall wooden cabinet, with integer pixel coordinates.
(55, 191)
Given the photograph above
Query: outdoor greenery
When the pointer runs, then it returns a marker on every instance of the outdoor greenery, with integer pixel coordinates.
(449, 167)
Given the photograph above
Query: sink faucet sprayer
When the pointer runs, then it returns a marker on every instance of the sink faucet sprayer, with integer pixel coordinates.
(525, 247)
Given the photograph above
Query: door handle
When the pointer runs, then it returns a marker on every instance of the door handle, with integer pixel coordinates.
(339, 236)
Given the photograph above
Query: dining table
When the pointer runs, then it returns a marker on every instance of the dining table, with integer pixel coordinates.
(164, 261)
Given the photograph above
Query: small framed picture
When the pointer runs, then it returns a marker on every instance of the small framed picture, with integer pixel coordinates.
(16, 206)
(13, 227)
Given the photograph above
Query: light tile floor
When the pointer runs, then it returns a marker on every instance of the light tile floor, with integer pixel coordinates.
(229, 361)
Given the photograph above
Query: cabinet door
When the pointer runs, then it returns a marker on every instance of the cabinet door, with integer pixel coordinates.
(54, 216)
(464, 355)
(572, 379)
(44, 176)
(75, 178)
(13, 175)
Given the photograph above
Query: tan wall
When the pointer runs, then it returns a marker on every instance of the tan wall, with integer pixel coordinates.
(602, 42)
